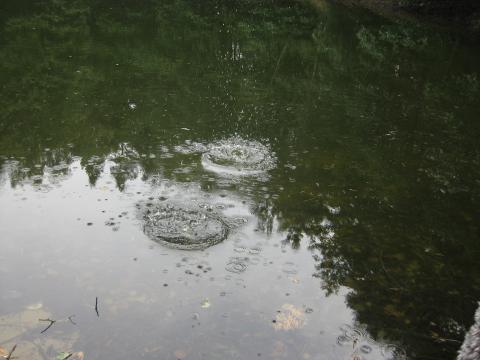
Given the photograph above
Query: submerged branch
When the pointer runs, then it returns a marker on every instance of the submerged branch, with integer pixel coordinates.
(9, 356)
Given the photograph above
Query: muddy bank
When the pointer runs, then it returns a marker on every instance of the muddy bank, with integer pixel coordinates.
(462, 14)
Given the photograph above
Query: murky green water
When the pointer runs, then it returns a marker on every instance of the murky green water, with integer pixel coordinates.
(235, 180)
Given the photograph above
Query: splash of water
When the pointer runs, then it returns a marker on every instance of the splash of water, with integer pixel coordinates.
(239, 157)
(183, 227)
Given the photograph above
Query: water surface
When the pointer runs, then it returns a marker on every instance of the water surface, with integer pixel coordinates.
(235, 181)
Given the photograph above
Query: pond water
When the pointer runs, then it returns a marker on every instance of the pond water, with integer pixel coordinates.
(235, 180)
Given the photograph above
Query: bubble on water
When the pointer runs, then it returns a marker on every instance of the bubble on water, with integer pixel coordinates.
(343, 339)
(237, 156)
(182, 227)
(366, 349)
(254, 251)
(237, 265)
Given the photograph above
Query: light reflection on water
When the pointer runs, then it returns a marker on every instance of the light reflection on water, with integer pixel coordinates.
(59, 243)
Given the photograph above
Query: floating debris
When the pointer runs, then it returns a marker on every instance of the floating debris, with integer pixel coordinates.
(205, 304)
(63, 356)
(70, 356)
(20, 326)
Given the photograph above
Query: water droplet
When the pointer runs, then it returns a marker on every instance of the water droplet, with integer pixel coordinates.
(132, 105)
(366, 349)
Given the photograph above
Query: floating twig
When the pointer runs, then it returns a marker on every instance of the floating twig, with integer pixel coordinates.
(49, 325)
(9, 356)
(96, 306)
(70, 319)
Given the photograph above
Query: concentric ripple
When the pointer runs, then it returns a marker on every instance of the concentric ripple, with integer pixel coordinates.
(183, 227)
(237, 156)
(364, 347)
(237, 265)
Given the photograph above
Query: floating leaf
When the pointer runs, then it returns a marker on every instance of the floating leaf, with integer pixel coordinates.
(79, 355)
(205, 304)
(63, 356)
(289, 318)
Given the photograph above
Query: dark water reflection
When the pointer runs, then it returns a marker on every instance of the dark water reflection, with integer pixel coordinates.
(366, 135)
